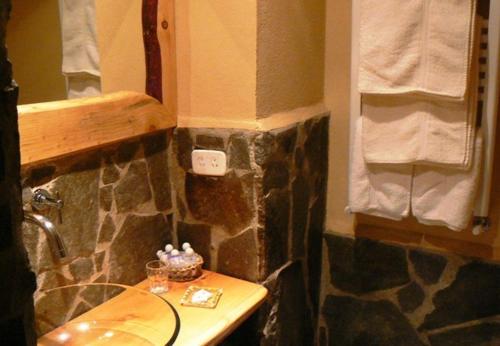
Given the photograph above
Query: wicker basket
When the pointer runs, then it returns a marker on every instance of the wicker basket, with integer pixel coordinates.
(187, 273)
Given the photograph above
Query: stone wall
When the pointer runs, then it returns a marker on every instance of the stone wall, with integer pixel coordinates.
(262, 221)
(382, 294)
(117, 213)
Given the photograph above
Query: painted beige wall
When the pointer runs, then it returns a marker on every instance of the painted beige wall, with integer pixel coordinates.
(34, 43)
(242, 61)
(290, 54)
(337, 93)
(216, 59)
(121, 48)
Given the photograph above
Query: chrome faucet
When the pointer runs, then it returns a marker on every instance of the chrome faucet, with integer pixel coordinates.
(55, 241)
(39, 200)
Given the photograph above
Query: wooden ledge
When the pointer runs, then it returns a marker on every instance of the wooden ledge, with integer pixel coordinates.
(198, 326)
(53, 129)
(268, 123)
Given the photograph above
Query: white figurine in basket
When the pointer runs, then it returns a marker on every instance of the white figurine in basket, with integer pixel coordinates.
(177, 258)
(183, 265)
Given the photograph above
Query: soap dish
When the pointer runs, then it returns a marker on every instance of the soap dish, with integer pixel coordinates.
(187, 298)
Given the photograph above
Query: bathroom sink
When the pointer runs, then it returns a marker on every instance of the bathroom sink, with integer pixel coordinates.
(104, 314)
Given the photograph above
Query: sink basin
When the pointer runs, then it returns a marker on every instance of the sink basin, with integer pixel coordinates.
(104, 314)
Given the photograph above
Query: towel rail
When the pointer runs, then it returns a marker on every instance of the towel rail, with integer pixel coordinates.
(489, 118)
(355, 97)
(481, 220)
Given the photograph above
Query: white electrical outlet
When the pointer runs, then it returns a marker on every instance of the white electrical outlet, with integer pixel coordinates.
(209, 162)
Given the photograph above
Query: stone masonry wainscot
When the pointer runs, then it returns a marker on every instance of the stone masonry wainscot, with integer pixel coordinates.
(117, 213)
(391, 295)
(263, 221)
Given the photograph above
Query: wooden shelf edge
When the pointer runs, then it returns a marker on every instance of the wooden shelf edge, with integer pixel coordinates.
(236, 320)
(54, 129)
(244, 299)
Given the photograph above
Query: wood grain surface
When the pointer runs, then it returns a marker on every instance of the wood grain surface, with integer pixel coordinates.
(132, 310)
(53, 129)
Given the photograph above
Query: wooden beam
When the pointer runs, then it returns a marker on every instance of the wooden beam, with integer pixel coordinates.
(152, 49)
(53, 129)
(166, 38)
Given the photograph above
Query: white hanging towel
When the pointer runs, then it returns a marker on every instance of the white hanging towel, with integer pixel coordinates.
(416, 46)
(438, 196)
(80, 49)
(445, 196)
(379, 190)
(418, 129)
(83, 85)
(422, 129)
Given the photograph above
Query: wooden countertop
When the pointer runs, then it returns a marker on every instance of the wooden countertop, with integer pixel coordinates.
(198, 326)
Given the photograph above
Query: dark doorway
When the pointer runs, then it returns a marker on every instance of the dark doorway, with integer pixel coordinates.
(17, 282)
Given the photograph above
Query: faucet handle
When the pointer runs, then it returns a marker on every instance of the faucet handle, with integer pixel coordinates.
(42, 199)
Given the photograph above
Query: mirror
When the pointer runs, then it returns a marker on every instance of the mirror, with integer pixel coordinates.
(35, 50)
(35, 38)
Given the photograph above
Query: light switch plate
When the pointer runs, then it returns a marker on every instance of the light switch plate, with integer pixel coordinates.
(209, 162)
